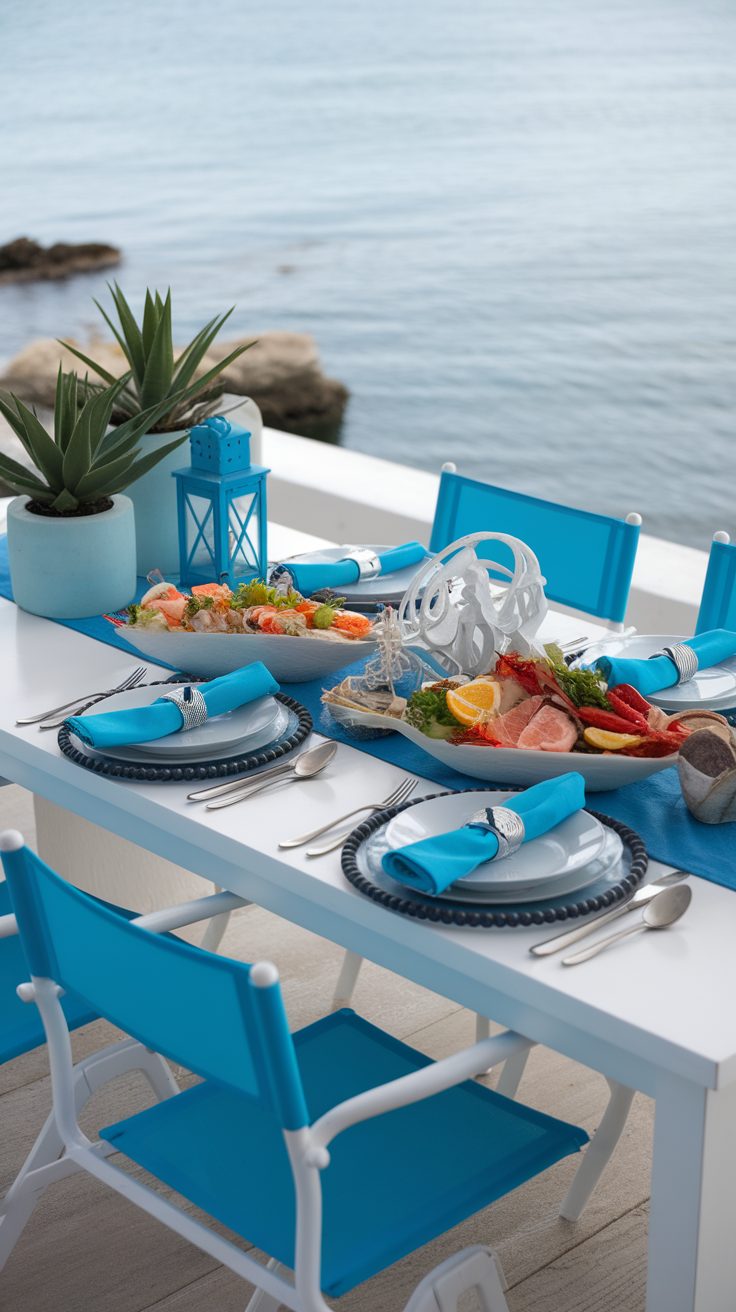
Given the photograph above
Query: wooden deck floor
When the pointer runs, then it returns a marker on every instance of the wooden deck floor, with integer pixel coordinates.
(87, 1250)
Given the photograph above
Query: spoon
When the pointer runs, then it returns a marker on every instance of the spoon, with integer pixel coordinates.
(661, 912)
(305, 766)
(639, 899)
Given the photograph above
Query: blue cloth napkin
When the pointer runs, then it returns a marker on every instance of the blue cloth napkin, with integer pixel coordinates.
(146, 723)
(310, 576)
(660, 672)
(433, 864)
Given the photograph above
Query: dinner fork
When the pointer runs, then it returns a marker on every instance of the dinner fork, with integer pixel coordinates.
(399, 794)
(132, 681)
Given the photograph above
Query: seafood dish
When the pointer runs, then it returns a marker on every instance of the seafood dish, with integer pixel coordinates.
(535, 704)
(251, 608)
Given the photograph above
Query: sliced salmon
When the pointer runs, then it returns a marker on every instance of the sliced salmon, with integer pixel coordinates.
(506, 729)
(218, 590)
(550, 730)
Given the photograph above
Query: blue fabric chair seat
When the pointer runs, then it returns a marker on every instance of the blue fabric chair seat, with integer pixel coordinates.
(393, 1183)
(20, 1024)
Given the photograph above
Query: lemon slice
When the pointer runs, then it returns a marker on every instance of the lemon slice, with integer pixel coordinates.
(475, 702)
(607, 741)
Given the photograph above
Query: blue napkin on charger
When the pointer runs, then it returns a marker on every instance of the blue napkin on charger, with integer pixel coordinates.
(433, 864)
(146, 723)
(310, 576)
(660, 672)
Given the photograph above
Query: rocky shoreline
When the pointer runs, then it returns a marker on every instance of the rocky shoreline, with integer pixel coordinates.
(25, 260)
(282, 373)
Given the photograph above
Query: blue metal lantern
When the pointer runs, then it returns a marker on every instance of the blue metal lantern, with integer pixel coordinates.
(221, 502)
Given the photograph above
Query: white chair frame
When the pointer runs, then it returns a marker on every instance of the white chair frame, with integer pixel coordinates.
(475, 1267)
(47, 1161)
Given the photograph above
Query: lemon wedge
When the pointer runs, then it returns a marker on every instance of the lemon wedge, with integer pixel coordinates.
(475, 702)
(606, 741)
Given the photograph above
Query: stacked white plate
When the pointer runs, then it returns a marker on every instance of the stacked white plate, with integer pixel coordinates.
(236, 733)
(387, 589)
(712, 689)
(574, 855)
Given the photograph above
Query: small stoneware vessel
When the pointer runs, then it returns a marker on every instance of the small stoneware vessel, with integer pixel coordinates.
(707, 769)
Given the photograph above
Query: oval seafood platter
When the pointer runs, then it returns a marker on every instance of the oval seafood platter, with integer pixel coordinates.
(214, 630)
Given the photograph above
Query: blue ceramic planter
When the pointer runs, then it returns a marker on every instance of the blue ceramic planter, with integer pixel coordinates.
(69, 568)
(154, 499)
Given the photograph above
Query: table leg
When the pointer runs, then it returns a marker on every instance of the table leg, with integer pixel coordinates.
(692, 1250)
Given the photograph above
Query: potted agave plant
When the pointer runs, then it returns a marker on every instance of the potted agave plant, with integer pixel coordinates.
(71, 534)
(156, 377)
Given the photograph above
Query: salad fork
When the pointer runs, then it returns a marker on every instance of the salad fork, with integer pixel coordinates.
(399, 794)
(132, 681)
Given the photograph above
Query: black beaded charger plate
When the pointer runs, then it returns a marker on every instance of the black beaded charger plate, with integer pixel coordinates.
(297, 729)
(373, 883)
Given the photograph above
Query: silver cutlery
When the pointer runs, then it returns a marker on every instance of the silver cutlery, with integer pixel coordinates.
(132, 681)
(305, 766)
(639, 899)
(663, 910)
(399, 794)
(248, 780)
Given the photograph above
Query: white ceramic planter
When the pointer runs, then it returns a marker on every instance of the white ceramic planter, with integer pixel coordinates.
(154, 499)
(72, 567)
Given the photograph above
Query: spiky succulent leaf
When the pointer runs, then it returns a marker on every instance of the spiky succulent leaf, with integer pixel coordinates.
(42, 449)
(133, 338)
(91, 364)
(19, 478)
(159, 368)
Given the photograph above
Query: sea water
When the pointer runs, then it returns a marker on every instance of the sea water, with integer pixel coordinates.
(509, 225)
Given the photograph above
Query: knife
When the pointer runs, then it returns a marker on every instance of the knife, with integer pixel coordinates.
(640, 899)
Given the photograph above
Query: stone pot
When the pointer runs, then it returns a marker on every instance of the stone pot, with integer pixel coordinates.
(72, 567)
(154, 499)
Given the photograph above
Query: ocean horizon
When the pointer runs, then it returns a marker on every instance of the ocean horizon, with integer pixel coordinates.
(509, 228)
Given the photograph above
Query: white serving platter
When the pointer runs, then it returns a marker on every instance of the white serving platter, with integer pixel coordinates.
(290, 660)
(515, 766)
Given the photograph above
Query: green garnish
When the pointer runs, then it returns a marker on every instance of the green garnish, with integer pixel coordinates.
(322, 618)
(259, 593)
(196, 604)
(133, 612)
(583, 687)
(427, 710)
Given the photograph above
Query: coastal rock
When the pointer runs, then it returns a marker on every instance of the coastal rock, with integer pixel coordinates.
(282, 373)
(23, 259)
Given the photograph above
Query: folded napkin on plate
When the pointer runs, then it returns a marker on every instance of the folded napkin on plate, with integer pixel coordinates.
(660, 672)
(310, 576)
(143, 724)
(433, 864)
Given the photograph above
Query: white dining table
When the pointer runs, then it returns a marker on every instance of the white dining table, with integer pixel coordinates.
(657, 1014)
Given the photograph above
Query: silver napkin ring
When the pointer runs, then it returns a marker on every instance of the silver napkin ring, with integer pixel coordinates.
(192, 705)
(684, 660)
(369, 564)
(505, 824)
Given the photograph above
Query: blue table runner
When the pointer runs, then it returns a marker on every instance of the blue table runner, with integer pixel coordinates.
(654, 807)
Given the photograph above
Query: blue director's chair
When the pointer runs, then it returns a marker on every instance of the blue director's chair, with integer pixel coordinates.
(586, 559)
(336, 1151)
(718, 602)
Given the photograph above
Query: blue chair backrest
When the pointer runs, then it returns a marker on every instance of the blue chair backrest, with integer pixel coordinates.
(718, 603)
(200, 1010)
(587, 559)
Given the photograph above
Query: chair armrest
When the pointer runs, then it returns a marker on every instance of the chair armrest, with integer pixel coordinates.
(189, 913)
(420, 1084)
(8, 926)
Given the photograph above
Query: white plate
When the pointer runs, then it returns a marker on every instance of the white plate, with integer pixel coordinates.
(515, 766)
(600, 875)
(568, 848)
(387, 587)
(290, 660)
(712, 689)
(222, 735)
